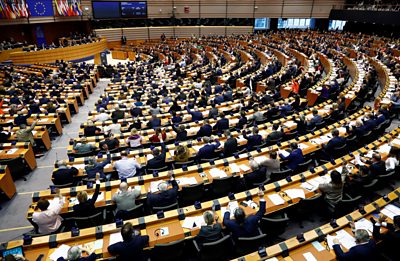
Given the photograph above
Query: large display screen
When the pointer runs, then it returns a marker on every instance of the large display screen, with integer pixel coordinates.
(261, 23)
(106, 10)
(134, 9)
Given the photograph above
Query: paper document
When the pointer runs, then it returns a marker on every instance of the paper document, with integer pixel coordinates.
(172, 152)
(295, 193)
(186, 181)
(115, 238)
(303, 146)
(54, 202)
(196, 148)
(344, 238)
(284, 153)
(149, 157)
(193, 222)
(217, 173)
(244, 167)
(276, 199)
(12, 151)
(309, 256)
(365, 224)
(318, 246)
(234, 167)
(384, 149)
(61, 251)
(154, 185)
(308, 186)
(260, 159)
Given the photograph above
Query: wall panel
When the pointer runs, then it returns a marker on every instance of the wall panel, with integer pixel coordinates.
(156, 32)
(240, 8)
(296, 8)
(194, 8)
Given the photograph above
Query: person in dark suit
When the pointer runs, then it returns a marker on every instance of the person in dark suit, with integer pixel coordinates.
(4, 135)
(257, 175)
(335, 142)
(376, 165)
(315, 119)
(358, 130)
(369, 122)
(159, 158)
(294, 158)
(117, 113)
(253, 140)
(242, 120)
(86, 206)
(196, 114)
(208, 150)
(64, 174)
(154, 122)
(181, 133)
(243, 226)
(364, 250)
(164, 196)
(132, 246)
(222, 124)
(212, 231)
(391, 238)
(230, 145)
(301, 124)
(21, 119)
(276, 134)
(109, 141)
(205, 130)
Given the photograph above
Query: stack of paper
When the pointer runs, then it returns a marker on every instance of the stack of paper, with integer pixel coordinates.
(344, 238)
(115, 238)
(149, 156)
(260, 159)
(295, 193)
(303, 146)
(61, 251)
(234, 167)
(244, 167)
(390, 211)
(365, 224)
(276, 199)
(384, 149)
(217, 173)
(284, 153)
(154, 185)
(186, 181)
(12, 151)
(193, 222)
(309, 256)
(196, 148)
(54, 202)
(289, 124)
(308, 186)
(240, 139)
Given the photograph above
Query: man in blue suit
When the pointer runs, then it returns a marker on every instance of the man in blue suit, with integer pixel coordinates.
(315, 119)
(132, 246)
(154, 122)
(196, 114)
(369, 122)
(253, 140)
(335, 142)
(243, 226)
(208, 150)
(222, 124)
(205, 130)
(364, 250)
(165, 196)
(294, 158)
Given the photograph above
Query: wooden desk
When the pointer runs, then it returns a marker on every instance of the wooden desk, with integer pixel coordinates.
(6, 182)
(24, 150)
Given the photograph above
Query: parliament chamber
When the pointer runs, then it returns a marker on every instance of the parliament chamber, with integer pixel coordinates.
(199, 130)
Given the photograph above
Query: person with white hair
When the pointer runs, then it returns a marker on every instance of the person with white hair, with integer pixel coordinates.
(64, 174)
(211, 231)
(125, 197)
(102, 116)
(365, 248)
(75, 254)
(164, 196)
(257, 175)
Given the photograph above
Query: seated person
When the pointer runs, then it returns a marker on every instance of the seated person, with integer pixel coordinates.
(301, 123)
(358, 130)
(181, 133)
(257, 175)
(114, 128)
(48, 219)
(242, 120)
(365, 249)
(126, 167)
(64, 174)
(75, 254)
(315, 119)
(158, 136)
(377, 166)
(392, 161)
(222, 124)
(252, 140)
(181, 153)
(4, 135)
(83, 146)
(276, 135)
(134, 140)
(159, 158)
(154, 122)
(362, 177)
(165, 196)
(91, 130)
(205, 130)
(86, 206)
(272, 164)
(175, 118)
(196, 114)
(391, 238)
(131, 248)
(333, 190)
(125, 197)
(211, 231)
(102, 116)
(117, 114)
(294, 158)
(208, 151)
(243, 226)
(230, 145)
(110, 141)
(335, 142)
(93, 167)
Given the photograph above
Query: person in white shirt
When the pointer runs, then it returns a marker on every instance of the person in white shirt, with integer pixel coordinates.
(126, 167)
(102, 116)
(392, 162)
(48, 218)
(114, 128)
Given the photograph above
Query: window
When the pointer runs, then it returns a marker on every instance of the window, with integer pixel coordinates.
(336, 24)
(301, 23)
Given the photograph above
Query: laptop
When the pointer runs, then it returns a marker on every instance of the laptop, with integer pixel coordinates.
(13, 251)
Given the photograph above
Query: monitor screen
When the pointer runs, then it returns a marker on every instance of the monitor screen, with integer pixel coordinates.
(13, 251)
(261, 23)
(134, 9)
(106, 10)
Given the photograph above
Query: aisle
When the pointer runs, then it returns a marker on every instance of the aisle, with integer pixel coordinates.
(13, 212)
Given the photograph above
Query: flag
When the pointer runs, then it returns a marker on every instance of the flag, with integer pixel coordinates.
(40, 7)
(68, 7)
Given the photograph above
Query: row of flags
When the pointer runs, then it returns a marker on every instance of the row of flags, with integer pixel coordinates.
(13, 9)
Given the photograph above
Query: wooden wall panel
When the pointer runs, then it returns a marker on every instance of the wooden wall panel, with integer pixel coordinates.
(159, 8)
(195, 11)
(156, 32)
(240, 8)
(213, 9)
(111, 35)
(212, 30)
(297, 9)
(186, 31)
(238, 30)
(136, 33)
